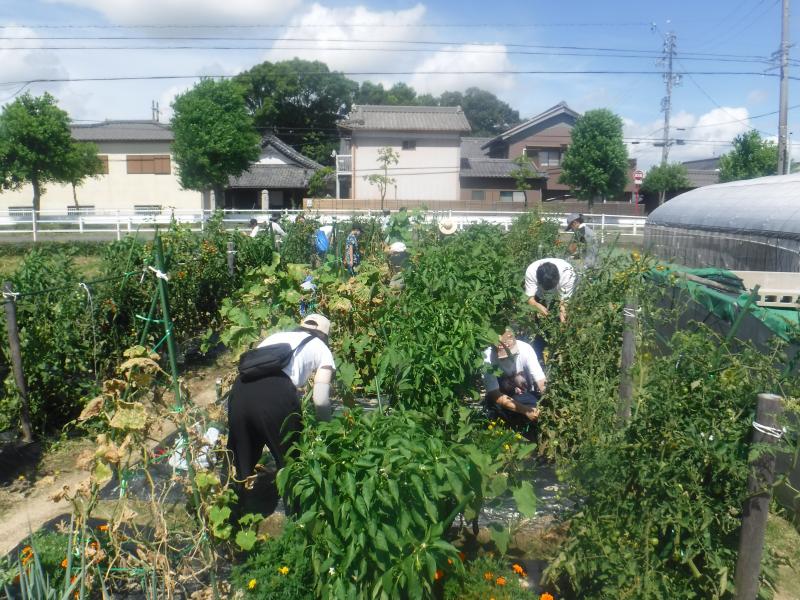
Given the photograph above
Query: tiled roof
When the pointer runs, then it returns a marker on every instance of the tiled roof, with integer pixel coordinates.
(272, 177)
(701, 177)
(471, 147)
(123, 131)
(553, 111)
(406, 118)
(288, 151)
(489, 167)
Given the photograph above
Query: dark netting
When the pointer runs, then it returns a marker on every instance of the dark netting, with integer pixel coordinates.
(742, 225)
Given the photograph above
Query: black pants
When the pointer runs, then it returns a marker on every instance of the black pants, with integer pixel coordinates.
(262, 412)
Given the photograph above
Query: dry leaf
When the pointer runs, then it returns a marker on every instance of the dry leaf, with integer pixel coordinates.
(92, 409)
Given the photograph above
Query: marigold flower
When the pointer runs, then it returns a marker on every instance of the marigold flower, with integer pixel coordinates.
(103, 527)
(64, 564)
(27, 550)
(501, 581)
(517, 569)
(546, 596)
(283, 570)
(438, 575)
(462, 556)
(488, 576)
(251, 585)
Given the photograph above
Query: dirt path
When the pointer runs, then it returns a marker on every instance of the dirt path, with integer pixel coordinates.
(26, 505)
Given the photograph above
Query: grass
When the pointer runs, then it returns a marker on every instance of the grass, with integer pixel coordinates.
(87, 265)
(784, 541)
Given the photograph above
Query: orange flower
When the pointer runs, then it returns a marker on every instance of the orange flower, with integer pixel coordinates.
(517, 569)
(103, 527)
(462, 556)
(449, 561)
(438, 575)
(27, 550)
(501, 581)
(546, 596)
(64, 564)
(488, 576)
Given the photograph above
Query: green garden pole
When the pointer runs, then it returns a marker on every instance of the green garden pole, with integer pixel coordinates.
(173, 363)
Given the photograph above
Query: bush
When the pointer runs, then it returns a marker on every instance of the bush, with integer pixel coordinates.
(486, 577)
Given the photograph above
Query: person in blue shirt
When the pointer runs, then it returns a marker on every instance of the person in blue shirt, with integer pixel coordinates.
(352, 254)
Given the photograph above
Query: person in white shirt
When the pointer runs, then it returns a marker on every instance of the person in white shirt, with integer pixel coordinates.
(267, 411)
(515, 392)
(549, 283)
(584, 241)
(254, 228)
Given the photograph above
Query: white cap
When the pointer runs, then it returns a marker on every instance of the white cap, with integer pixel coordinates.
(316, 322)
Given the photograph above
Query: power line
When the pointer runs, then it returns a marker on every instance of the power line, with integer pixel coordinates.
(336, 26)
(374, 49)
(646, 52)
(388, 73)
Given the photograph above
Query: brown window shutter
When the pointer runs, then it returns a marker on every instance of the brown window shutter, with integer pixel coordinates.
(103, 164)
(134, 165)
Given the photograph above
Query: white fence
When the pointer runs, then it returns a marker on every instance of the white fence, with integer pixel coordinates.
(22, 224)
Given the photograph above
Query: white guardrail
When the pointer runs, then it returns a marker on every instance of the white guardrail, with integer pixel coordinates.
(117, 223)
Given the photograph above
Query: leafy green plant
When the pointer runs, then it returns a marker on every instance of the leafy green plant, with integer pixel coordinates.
(376, 494)
(486, 577)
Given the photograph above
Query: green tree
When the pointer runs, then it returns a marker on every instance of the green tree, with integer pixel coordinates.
(36, 147)
(596, 164)
(523, 173)
(486, 113)
(750, 157)
(320, 182)
(665, 179)
(301, 100)
(214, 136)
(387, 157)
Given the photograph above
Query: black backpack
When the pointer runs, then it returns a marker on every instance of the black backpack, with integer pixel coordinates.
(269, 360)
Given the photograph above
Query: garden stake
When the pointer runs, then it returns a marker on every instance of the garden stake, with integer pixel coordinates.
(232, 259)
(759, 489)
(628, 356)
(16, 360)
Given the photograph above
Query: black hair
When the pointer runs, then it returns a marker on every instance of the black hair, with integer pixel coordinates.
(357, 228)
(547, 276)
(253, 222)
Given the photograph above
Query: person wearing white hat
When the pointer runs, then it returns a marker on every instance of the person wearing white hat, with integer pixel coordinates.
(584, 240)
(266, 410)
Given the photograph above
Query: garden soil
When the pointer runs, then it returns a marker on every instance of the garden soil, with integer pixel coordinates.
(25, 504)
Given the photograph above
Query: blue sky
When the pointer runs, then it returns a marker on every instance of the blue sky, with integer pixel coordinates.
(464, 36)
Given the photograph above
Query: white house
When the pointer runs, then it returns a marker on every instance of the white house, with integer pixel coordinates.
(138, 174)
(427, 140)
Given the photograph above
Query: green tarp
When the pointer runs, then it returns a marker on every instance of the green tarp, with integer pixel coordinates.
(784, 323)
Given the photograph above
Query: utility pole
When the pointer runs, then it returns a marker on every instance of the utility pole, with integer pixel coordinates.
(670, 80)
(783, 112)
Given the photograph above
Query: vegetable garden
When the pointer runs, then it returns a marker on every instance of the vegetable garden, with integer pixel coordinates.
(393, 498)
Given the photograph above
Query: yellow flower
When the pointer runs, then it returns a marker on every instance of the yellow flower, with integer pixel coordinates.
(518, 436)
(251, 585)
(507, 447)
(488, 576)
(283, 570)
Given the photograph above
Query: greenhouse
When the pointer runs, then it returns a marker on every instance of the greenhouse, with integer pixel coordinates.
(749, 225)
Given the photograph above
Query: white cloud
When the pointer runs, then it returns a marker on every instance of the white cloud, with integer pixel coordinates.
(335, 33)
(24, 65)
(436, 73)
(757, 96)
(705, 136)
(187, 12)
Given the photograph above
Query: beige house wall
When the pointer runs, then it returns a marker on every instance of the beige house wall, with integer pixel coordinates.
(430, 171)
(117, 189)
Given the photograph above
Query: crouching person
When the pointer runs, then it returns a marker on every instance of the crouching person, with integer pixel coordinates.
(514, 393)
(264, 407)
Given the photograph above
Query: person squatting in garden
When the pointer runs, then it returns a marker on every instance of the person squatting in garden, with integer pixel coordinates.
(514, 393)
(352, 254)
(267, 411)
(584, 241)
(549, 283)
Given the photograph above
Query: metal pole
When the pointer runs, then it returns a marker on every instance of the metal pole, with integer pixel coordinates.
(16, 361)
(783, 112)
(626, 368)
(666, 103)
(33, 223)
(231, 259)
(756, 507)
